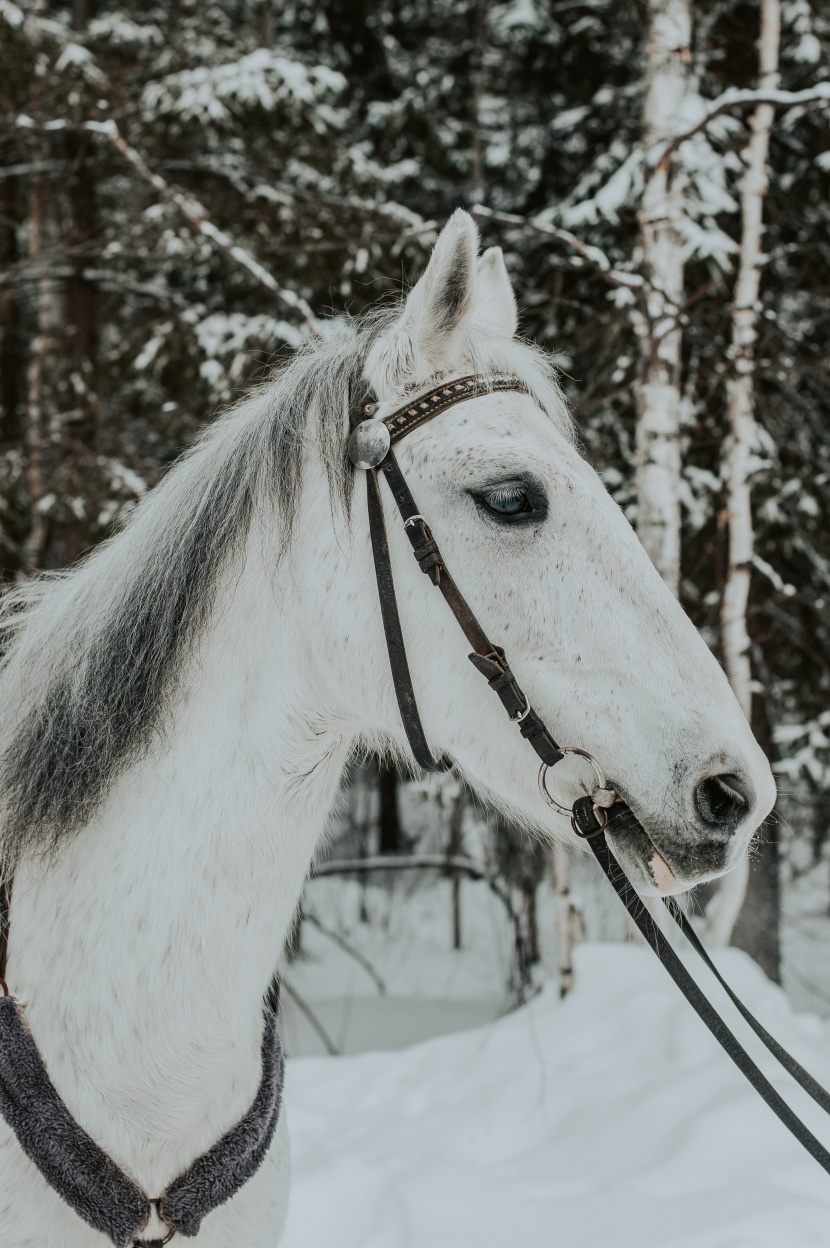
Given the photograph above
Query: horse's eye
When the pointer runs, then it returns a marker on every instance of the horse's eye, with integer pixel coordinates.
(505, 501)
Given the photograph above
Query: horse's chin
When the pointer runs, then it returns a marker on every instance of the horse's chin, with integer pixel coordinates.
(652, 872)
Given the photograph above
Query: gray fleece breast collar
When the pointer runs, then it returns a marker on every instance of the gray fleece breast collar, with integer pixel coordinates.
(90, 1181)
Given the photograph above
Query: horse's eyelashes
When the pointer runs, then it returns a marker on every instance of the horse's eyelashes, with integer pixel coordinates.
(512, 502)
(507, 502)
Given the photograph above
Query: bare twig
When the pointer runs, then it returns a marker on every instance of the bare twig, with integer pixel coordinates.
(191, 209)
(34, 167)
(348, 948)
(27, 271)
(594, 256)
(117, 281)
(304, 1008)
(439, 862)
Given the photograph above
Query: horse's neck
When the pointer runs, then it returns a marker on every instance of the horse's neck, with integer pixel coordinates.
(142, 953)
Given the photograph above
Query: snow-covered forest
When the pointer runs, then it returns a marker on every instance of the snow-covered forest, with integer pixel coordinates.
(189, 191)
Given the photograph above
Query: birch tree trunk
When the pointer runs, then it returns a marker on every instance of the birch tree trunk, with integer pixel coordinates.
(726, 904)
(568, 920)
(657, 324)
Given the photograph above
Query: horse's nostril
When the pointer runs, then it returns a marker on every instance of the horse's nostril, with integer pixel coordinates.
(722, 801)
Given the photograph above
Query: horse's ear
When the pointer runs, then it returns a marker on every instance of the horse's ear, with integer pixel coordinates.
(422, 339)
(494, 311)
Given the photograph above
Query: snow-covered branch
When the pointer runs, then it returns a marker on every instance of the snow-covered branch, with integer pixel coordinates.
(191, 209)
(594, 256)
(741, 98)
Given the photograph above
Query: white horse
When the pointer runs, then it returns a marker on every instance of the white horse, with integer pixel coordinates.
(179, 708)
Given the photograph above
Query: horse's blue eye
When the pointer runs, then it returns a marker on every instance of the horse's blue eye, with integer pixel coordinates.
(507, 502)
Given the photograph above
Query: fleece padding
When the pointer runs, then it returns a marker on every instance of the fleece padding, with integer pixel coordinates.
(88, 1180)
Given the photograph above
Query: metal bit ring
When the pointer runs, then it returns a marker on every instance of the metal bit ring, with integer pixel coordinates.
(601, 785)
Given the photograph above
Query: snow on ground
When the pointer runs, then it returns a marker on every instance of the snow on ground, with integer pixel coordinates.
(805, 937)
(609, 1118)
(429, 988)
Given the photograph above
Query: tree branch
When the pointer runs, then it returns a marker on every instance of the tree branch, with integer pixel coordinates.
(304, 1008)
(739, 98)
(347, 947)
(594, 256)
(439, 862)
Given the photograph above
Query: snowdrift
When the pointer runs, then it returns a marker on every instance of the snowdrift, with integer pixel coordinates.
(609, 1118)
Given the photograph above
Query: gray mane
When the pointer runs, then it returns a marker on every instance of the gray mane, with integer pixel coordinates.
(92, 657)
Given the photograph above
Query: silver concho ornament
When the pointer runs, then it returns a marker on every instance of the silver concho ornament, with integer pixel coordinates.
(369, 443)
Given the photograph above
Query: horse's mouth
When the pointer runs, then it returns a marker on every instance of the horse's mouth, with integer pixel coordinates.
(662, 872)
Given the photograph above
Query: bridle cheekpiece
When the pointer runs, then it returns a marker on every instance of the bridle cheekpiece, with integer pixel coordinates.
(370, 449)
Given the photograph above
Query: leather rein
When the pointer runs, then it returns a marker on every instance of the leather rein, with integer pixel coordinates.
(592, 816)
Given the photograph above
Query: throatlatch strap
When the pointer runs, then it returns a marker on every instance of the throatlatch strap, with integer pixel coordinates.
(708, 1014)
(401, 678)
(487, 658)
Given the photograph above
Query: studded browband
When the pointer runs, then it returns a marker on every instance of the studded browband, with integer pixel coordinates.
(438, 400)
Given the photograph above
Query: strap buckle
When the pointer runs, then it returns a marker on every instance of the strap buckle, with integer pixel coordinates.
(522, 715)
(155, 1203)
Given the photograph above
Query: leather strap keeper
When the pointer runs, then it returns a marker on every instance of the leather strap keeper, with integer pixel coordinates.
(533, 730)
(584, 820)
(429, 559)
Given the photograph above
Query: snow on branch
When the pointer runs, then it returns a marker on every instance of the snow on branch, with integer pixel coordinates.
(594, 256)
(191, 209)
(263, 78)
(736, 97)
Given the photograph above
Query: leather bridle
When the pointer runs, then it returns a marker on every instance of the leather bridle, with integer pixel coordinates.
(592, 816)
(370, 448)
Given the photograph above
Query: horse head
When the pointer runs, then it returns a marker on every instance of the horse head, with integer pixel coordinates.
(556, 575)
